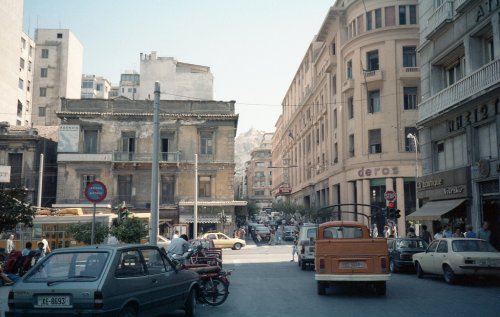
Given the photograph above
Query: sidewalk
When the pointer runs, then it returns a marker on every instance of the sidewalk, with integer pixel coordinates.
(4, 294)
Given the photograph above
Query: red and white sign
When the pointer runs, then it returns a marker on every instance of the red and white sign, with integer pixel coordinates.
(390, 195)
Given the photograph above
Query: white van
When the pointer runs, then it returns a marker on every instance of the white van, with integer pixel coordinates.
(305, 244)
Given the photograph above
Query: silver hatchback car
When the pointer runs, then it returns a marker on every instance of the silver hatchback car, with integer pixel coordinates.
(104, 280)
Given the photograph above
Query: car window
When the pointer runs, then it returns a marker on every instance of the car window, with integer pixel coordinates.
(432, 247)
(154, 261)
(211, 236)
(442, 247)
(311, 233)
(221, 236)
(86, 266)
(472, 246)
(411, 244)
(129, 265)
(343, 232)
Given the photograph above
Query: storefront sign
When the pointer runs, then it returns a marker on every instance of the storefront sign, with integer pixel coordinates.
(450, 184)
(430, 183)
(285, 189)
(378, 171)
(452, 190)
(476, 115)
(4, 174)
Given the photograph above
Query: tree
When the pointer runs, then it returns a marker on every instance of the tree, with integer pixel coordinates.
(82, 232)
(14, 210)
(132, 230)
(252, 208)
(288, 208)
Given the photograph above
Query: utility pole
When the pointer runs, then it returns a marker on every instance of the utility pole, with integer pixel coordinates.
(153, 226)
(195, 207)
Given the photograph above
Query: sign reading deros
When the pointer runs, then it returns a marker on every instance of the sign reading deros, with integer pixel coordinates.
(96, 191)
(390, 195)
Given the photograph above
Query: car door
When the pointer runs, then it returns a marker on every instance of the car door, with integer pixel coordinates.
(223, 240)
(427, 260)
(440, 257)
(213, 237)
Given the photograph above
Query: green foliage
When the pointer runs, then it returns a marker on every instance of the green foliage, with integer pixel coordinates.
(289, 208)
(14, 210)
(132, 230)
(82, 232)
(252, 208)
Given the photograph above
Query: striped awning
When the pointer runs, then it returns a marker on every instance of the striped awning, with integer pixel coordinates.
(214, 203)
(202, 218)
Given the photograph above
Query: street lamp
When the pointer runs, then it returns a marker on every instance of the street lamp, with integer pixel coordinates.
(415, 141)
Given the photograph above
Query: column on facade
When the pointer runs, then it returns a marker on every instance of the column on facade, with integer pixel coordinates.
(351, 199)
(400, 203)
(359, 200)
(366, 197)
(495, 24)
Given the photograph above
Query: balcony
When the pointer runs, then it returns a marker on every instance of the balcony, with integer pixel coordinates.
(331, 64)
(475, 83)
(348, 84)
(84, 157)
(134, 157)
(409, 73)
(441, 17)
(373, 75)
(461, 5)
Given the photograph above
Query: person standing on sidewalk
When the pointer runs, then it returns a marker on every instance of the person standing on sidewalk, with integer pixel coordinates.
(294, 246)
(10, 244)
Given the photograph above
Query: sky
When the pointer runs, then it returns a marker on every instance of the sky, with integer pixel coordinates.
(253, 47)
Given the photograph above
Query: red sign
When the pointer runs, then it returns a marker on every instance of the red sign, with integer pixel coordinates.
(390, 195)
(96, 192)
(285, 189)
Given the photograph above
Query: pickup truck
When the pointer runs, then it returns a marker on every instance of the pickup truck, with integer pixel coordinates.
(345, 253)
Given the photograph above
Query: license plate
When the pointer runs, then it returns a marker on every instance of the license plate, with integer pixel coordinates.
(352, 265)
(53, 301)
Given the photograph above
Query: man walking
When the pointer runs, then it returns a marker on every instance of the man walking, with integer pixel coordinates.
(10, 244)
(484, 233)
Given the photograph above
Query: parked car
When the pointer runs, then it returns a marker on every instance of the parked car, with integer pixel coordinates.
(401, 251)
(288, 232)
(456, 257)
(110, 280)
(305, 245)
(162, 242)
(263, 232)
(223, 241)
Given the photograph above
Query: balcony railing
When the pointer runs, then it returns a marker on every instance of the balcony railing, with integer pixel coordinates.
(409, 72)
(373, 75)
(171, 157)
(459, 5)
(476, 82)
(442, 15)
(84, 157)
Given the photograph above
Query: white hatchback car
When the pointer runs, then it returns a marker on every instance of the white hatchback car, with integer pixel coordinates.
(454, 257)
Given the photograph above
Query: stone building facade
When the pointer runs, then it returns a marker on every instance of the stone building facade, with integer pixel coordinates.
(111, 141)
(259, 172)
(350, 106)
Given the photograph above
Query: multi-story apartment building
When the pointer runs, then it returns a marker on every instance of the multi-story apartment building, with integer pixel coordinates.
(349, 108)
(179, 81)
(57, 74)
(95, 87)
(11, 12)
(129, 85)
(259, 174)
(111, 141)
(459, 115)
(25, 83)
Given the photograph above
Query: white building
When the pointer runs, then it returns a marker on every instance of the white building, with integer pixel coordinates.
(95, 87)
(25, 83)
(58, 73)
(129, 84)
(11, 12)
(179, 81)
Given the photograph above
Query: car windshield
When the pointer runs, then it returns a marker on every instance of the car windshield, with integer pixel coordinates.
(472, 246)
(343, 232)
(69, 266)
(411, 244)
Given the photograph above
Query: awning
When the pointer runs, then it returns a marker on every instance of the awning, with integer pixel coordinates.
(433, 210)
(214, 203)
(202, 218)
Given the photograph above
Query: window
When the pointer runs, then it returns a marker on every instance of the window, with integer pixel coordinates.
(21, 63)
(372, 60)
(335, 153)
(45, 53)
(90, 141)
(23, 43)
(19, 109)
(333, 49)
(260, 164)
(369, 20)
(361, 27)
(351, 145)
(378, 18)
(28, 87)
(455, 72)
(15, 161)
(410, 98)
(442, 247)
(128, 141)
(206, 142)
(374, 101)
(390, 16)
(402, 15)
(409, 56)
(259, 193)
(98, 87)
(59, 35)
(87, 84)
(487, 140)
(85, 181)
(335, 118)
(451, 153)
(44, 72)
(375, 141)
(349, 70)
(350, 108)
(204, 186)
(41, 111)
(29, 66)
(43, 92)
(413, 14)
(167, 190)
(20, 84)
(125, 188)
(409, 142)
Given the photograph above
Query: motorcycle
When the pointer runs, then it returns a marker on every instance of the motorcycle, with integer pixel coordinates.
(214, 284)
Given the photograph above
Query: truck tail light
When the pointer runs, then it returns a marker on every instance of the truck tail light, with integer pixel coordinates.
(98, 300)
(321, 265)
(383, 264)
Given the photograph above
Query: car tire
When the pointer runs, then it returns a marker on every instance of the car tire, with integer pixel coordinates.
(321, 288)
(237, 246)
(380, 288)
(128, 311)
(392, 266)
(418, 269)
(190, 306)
(449, 275)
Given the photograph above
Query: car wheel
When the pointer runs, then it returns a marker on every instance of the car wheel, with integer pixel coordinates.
(392, 266)
(303, 266)
(321, 288)
(128, 311)
(418, 269)
(190, 306)
(449, 276)
(237, 246)
(380, 288)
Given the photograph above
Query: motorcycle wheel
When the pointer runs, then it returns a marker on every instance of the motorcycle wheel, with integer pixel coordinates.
(214, 292)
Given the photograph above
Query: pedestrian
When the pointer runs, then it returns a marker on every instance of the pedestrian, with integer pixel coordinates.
(458, 233)
(484, 233)
(26, 251)
(294, 246)
(411, 233)
(178, 246)
(438, 234)
(469, 233)
(46, 246)
(40, 253)
(425, 234)
(10, 244)
(176, 234)
(447, 232)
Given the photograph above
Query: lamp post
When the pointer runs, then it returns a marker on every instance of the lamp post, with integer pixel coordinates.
(415, 141)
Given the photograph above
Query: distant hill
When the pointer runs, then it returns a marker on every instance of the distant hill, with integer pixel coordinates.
(244, 144)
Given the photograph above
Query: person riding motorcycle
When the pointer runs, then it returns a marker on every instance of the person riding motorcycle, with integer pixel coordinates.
(178, 246)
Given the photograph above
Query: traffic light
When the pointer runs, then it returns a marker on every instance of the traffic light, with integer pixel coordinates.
(398, 214)
(391, 212)
(122, 213)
